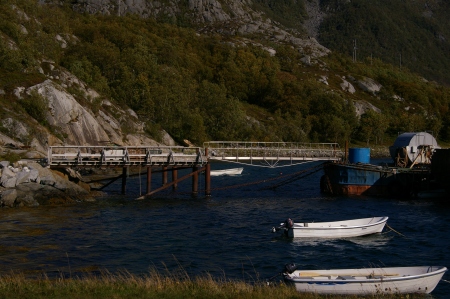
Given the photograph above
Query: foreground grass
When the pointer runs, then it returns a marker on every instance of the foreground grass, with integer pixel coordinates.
(153, 285)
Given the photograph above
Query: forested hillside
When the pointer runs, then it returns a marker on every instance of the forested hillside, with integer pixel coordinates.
(210, 86)
(411, 34)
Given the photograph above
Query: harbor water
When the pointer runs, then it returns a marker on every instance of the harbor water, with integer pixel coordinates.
(227, 235)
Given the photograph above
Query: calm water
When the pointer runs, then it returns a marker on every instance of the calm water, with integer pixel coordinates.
(227, 235)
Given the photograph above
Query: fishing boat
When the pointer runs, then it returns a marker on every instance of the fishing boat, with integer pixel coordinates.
(440, 166)
(335, 229)
(229, 171)
(407, 175)
(395, 280)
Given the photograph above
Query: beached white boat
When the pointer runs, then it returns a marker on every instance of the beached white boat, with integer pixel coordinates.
(397, 280)
(229, 171)
(336, 229)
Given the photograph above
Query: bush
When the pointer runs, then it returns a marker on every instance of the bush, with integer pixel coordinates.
(36, 106)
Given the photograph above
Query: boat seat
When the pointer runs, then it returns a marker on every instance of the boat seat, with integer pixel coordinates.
(345, 277)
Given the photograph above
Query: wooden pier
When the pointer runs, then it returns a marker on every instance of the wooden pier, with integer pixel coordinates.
(174, 158)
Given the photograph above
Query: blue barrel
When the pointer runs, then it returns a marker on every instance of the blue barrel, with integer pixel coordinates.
(359, 155)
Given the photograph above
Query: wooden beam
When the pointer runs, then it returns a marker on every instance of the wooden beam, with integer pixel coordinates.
(171, 183)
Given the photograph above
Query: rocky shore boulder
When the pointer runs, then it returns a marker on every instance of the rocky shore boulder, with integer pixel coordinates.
(30, 184)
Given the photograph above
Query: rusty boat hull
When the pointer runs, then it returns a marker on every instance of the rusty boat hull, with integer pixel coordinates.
(373, 180)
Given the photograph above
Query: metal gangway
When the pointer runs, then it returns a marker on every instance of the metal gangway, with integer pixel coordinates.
(272, 154)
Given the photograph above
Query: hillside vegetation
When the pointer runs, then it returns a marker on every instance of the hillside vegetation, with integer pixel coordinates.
(210, 87)
(411, 34)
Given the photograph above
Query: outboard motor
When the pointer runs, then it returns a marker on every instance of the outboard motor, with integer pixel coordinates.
(288, 223)
(290, 268)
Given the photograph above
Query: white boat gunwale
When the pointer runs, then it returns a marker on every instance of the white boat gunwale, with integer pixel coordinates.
(300, 226)
(358, 279)
(417, 279)
(333, 229)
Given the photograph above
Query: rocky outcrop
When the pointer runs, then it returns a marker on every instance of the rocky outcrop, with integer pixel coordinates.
(30, 184)
(369, 85)
(228, 17)
(315, 17)
(66, 113)
(362, 107)
(74, 124)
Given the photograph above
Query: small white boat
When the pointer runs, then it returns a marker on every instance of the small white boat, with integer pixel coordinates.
(229, 171)
(396, 280)
(336, 229)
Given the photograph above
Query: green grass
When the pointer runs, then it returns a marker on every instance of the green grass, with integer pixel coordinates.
(154, 285)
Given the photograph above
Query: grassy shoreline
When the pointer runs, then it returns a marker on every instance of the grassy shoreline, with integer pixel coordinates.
(155, 285)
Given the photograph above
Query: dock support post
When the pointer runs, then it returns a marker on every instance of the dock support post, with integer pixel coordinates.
(164, 175)
(149, 179)
(124, 178)
(346, 152)
(207, 176)
(174, 178)
(194, 181)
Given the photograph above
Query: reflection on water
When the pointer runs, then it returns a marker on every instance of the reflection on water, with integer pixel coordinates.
(230, 233)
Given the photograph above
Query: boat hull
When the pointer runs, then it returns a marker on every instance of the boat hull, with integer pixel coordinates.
(230, 171)
(372, 180)
(338, 229)
(398, 280)
(440, 165)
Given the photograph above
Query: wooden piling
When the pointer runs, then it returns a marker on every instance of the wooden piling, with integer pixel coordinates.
(194, 181)
(164, 175)
(174, 178)
(207, 176)
(149, 179)
(124, 179)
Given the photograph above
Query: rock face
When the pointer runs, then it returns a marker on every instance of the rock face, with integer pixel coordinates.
(75, 124)
(369, 85)
(228, 17)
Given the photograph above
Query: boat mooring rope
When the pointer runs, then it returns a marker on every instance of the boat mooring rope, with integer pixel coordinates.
(311, 170)
(295, 175)
(395, 230)
(291, 177)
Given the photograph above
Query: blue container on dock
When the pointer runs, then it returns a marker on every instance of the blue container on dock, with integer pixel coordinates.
(359, 155)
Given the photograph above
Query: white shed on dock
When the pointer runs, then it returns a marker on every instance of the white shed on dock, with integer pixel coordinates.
(413, 148)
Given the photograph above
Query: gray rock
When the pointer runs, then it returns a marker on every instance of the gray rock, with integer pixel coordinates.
(67, 114)
(4, 164)
(362, 107)
(369, 85)
(22, 177)
(27, 201)
(8, 179)
(34, 176)
(8, 198)
(48, 181)
(27, 188)
(347, 86)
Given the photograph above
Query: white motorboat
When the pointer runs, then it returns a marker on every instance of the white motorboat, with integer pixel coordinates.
(396, 280)
(335, 229)
(229, 171)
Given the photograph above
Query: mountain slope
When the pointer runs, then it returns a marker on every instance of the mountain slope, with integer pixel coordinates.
(221, 70)
(411, 34)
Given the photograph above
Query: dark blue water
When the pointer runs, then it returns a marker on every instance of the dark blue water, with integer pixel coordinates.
(228, 235)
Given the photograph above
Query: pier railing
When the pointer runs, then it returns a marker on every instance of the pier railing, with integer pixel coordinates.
(129, 155)
(239, 151)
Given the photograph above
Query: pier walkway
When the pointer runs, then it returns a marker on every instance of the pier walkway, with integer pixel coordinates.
(272, 154)
(173, 158)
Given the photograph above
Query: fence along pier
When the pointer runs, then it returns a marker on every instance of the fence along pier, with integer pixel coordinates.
(173, 158)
